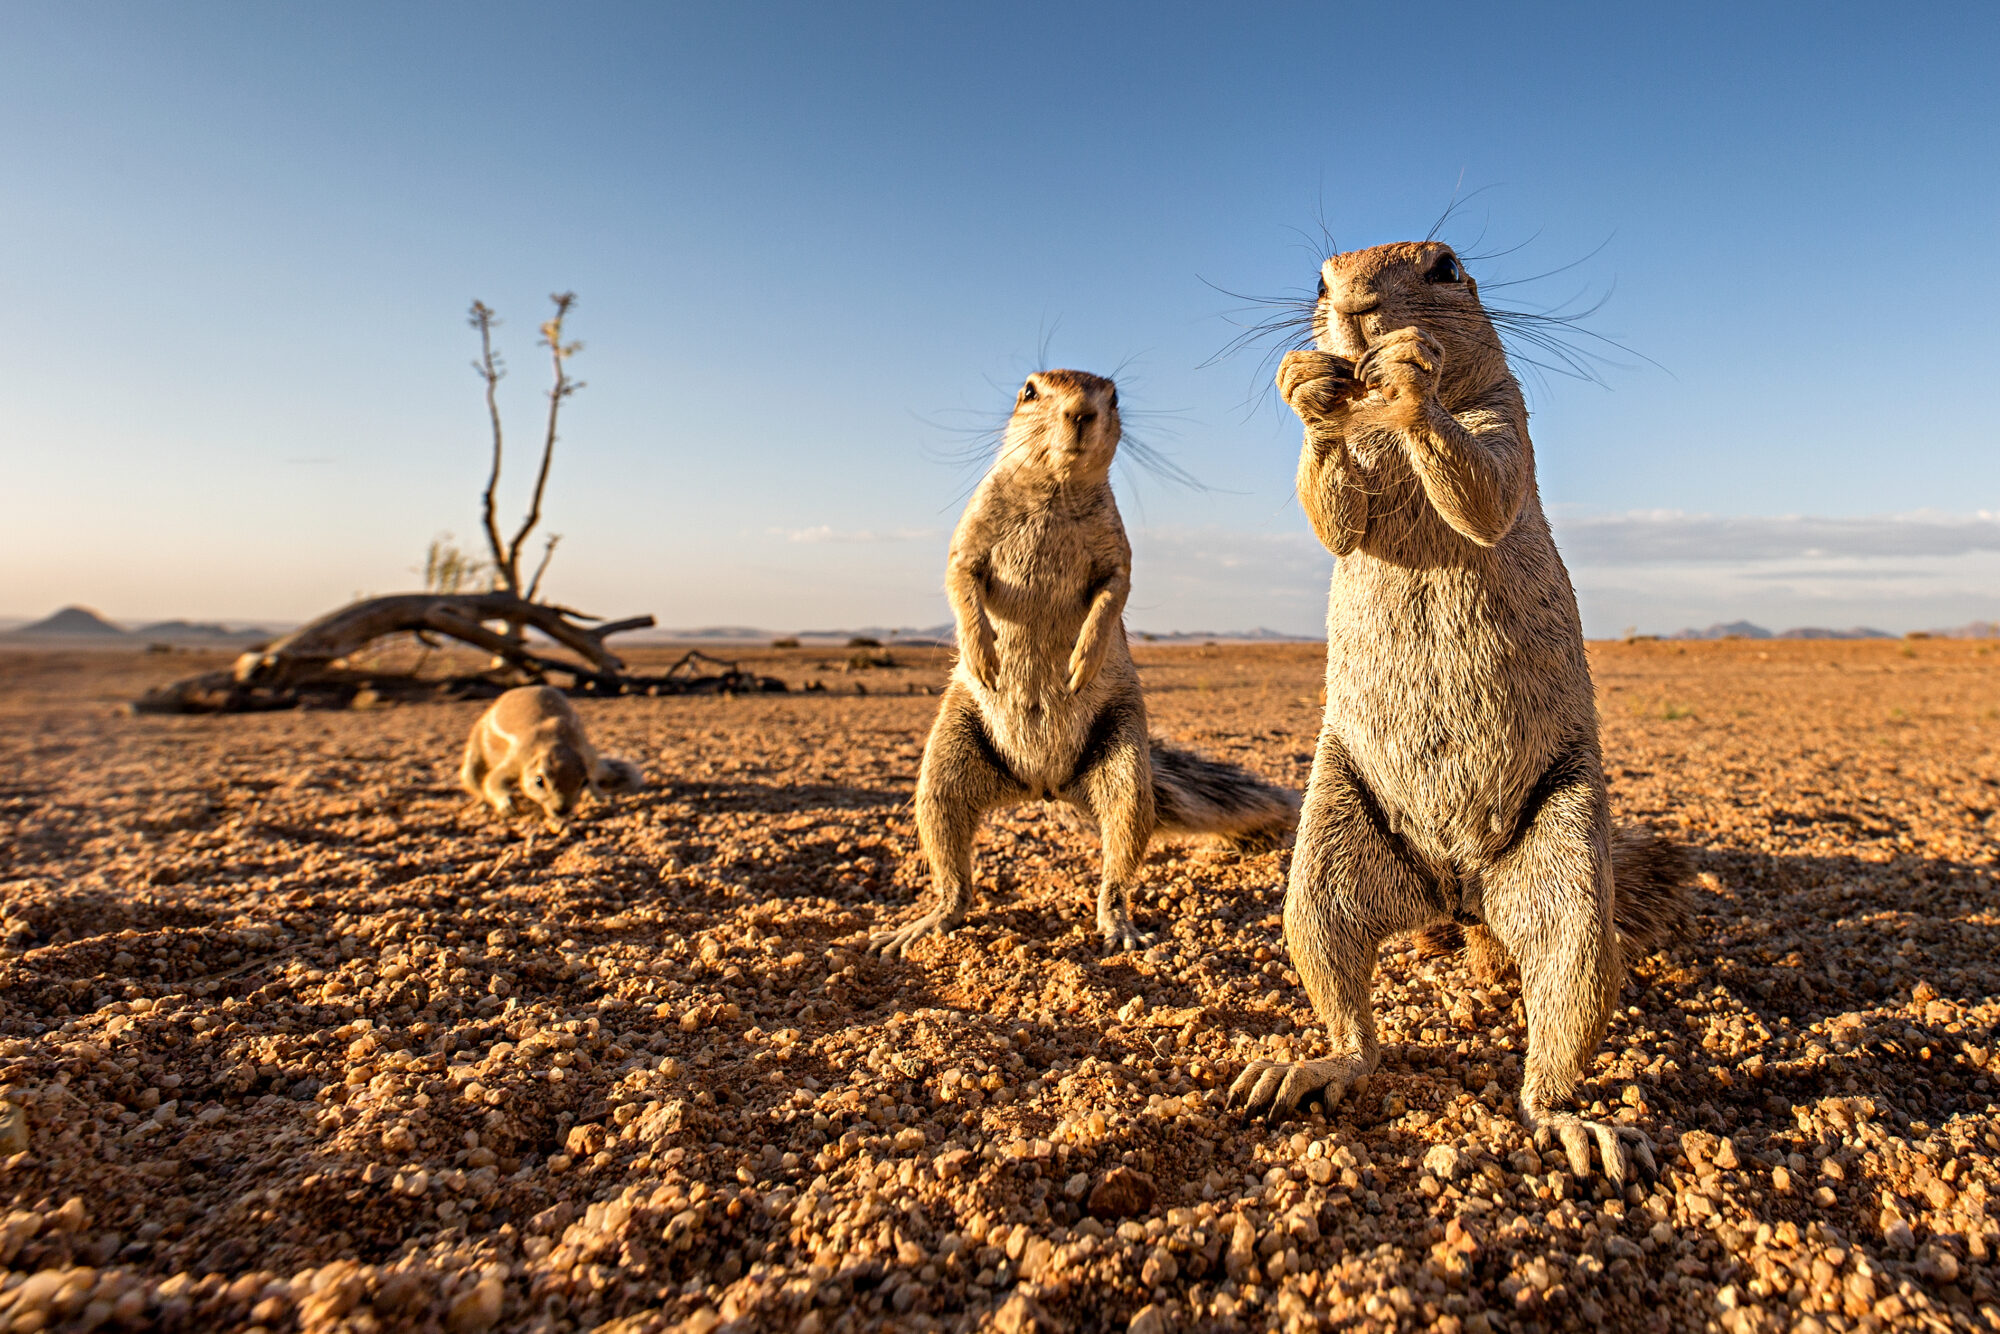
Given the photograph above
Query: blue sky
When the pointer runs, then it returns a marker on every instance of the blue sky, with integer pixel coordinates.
(237, 242)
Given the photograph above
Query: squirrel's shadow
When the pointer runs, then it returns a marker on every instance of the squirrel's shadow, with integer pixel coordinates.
(1797, 941)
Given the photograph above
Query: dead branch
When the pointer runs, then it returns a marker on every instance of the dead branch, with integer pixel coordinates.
(320, 644)
(535, 584)
(490, 370)
(559, 352)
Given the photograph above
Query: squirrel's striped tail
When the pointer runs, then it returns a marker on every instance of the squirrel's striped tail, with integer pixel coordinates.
(1193, 794)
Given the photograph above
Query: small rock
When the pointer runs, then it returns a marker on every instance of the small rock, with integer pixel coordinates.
(478, 1310)
(13, 1130)
(1444, 1162)
(1160, 1267)
(1149, 1319)
(1940, 1266)
(1241, 1258)
(1019, 1315)
(1123, 1193)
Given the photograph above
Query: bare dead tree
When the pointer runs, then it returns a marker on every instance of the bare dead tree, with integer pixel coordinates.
(320, 662)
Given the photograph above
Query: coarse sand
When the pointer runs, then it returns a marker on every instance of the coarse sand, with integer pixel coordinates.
(295, 1036)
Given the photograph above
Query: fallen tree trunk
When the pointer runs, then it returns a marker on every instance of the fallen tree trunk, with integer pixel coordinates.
(304, 669)
(317, 645)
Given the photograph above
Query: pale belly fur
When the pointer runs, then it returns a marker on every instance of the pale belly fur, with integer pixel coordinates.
(1037, 598)
(1452, 700)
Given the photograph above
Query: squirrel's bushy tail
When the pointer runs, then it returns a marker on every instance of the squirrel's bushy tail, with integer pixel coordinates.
(1650, 905)
(1193, 794)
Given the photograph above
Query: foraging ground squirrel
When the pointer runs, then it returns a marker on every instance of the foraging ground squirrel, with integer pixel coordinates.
(1044, 702)
(1458, 772)
(532, 739)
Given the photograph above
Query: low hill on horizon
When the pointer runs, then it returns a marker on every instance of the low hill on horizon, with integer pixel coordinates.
(72, 623)
(87, 623)
(1751, 630)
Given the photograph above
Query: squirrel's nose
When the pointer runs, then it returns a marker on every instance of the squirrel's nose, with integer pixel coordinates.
(1358, 303)
(1081, 419)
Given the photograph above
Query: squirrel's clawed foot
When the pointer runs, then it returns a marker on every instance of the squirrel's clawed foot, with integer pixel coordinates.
(1276, 1088)
(1121, 935)
(897, 940)
(1624, 1152)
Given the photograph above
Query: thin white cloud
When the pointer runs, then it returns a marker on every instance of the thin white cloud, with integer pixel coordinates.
(1670, 537)
(827, 533)
(1658, 570)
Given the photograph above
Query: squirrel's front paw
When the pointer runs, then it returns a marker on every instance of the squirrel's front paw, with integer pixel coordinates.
(982, 657)
(1403, 367)
(1317, 385)
(1084, 663)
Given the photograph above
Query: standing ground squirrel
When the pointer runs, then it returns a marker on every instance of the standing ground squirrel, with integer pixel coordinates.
(1044, 702)
(532, 737)
(1458, 772)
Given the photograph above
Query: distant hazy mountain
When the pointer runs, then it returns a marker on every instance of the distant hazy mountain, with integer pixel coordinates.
(199, 632)
(1733, 630)
(1747, 631)
(71, 623)
(1818, 632)
(84, 623)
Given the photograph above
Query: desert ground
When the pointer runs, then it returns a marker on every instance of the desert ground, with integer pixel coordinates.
(294, 1037)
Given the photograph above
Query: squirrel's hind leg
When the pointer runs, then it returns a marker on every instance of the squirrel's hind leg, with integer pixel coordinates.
(1114, 783)
(1351, 886)
(962, 778)
(1549, 902)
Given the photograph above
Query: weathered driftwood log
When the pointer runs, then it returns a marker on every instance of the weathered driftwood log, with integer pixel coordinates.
(312, 648)
(306, 668)
(350, 688)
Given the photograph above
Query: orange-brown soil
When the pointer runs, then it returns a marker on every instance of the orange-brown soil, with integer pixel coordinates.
(293, 1035)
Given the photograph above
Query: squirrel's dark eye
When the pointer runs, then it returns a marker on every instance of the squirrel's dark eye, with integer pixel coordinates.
(1028, 393)
(1114, 398)
(1322, 287)
(1446, 270)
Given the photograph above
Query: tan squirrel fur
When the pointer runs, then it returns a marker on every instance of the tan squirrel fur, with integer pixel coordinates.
(529, 747)
(1458, 771)
(1044, 702)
